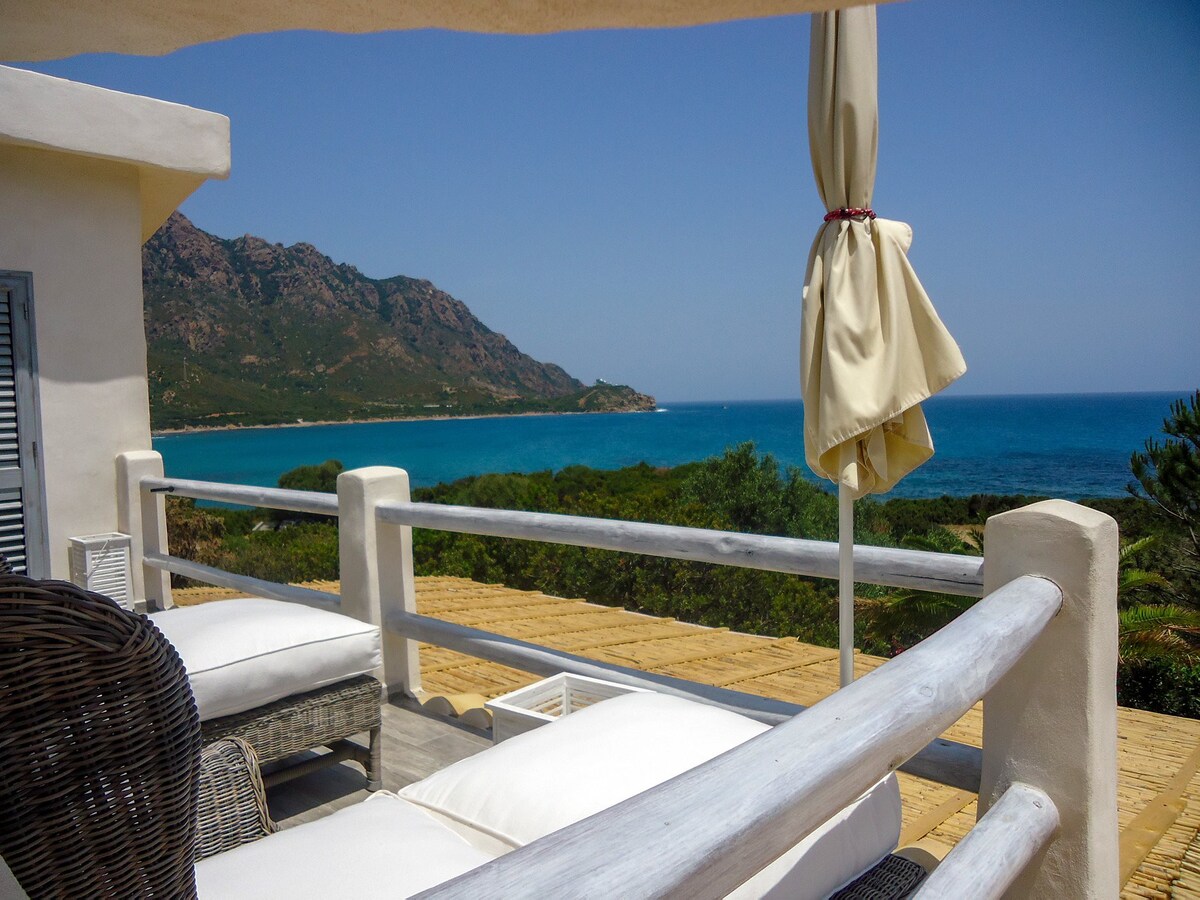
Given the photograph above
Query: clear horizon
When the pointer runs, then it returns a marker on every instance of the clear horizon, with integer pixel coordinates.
(1067, 445)
(638, 205)
(952, 392)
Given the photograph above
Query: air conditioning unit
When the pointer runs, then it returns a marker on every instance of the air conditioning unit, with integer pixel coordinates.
(100, 563)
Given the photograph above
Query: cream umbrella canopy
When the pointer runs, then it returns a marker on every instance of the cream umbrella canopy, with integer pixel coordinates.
(872, 345)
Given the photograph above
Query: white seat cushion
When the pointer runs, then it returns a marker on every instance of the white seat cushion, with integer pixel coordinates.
(240, 654)
(553, 776)
(382, 847)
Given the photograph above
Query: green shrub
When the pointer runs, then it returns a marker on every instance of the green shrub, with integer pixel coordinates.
(1160, 686)
(740, 490)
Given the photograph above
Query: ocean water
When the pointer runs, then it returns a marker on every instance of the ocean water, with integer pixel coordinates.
(1069, 446)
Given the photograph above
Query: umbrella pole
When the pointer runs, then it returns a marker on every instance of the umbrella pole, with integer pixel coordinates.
(845, 584)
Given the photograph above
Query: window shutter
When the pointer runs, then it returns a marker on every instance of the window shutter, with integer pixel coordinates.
(12, 515)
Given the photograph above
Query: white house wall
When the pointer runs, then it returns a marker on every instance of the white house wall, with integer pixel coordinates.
(75, 223)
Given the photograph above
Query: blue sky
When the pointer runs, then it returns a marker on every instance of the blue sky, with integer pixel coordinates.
(638, 206)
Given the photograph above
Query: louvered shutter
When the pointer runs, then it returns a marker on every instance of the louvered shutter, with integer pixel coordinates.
(14, 389)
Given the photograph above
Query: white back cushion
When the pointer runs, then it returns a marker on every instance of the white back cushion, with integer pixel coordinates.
(545, 779)
(240, 654)
(553, 776)
(836, 853)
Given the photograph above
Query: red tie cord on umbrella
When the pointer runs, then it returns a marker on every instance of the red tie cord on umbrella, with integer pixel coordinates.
(850, 212)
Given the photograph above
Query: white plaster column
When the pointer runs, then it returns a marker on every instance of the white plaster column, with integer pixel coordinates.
(1052, 721)
(377, 566)
(143, 516)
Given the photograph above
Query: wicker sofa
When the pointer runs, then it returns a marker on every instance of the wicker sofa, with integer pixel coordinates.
(511, 794)
(106, 791)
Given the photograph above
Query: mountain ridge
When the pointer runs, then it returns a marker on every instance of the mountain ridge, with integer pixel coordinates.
(241, 332)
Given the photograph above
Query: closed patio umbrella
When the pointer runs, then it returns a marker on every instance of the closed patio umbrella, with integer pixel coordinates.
(873, 347)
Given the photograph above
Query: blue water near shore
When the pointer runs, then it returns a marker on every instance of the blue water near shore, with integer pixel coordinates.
(1070, 446)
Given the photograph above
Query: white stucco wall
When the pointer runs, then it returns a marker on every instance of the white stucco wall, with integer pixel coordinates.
(86, 175)
(75, 223)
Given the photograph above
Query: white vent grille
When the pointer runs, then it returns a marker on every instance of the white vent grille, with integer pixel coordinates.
(100, 563)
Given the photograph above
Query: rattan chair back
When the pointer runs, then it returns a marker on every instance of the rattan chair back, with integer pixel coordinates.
(99, 747)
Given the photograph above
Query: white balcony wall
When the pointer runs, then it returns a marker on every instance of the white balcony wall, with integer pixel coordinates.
(79, 192)
(75, 224)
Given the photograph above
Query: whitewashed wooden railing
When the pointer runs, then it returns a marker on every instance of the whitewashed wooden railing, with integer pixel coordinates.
(1046, 775)
(750, 805)
(924, 571)
(364, 575)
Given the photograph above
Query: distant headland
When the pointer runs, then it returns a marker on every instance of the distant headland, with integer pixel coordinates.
(245, 333)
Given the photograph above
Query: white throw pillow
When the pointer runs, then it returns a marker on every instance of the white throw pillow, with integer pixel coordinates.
(240, 654)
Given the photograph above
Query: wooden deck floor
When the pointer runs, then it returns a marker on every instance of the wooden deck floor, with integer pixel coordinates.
(1159, 756)
(415, 744)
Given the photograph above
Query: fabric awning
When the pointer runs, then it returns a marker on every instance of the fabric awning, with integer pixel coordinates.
(40, 30)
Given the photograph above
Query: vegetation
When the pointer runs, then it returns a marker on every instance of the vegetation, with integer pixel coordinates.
(1160, 602)
(741, 490)
(197, 409)
(1167, 477)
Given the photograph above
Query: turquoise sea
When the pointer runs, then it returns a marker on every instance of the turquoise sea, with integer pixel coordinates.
(1069, 446)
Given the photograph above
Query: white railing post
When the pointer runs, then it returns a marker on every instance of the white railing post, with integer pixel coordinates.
(143, 516)
(377, 566)
(1052, 721)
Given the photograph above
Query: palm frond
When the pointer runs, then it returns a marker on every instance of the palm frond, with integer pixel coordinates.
(1133, 579)
(913, 612)
(1158, 632)
(1153, 646)
(1131, 549)
(1145, 617)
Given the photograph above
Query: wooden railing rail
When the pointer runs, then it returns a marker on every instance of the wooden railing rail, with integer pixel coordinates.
(946, 762)
(921, 570)
(994, 853)
(258, 587)
(748, 806)
(246, 495)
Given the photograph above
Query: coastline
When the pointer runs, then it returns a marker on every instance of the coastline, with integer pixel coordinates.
(199, 429)
(1069, 447)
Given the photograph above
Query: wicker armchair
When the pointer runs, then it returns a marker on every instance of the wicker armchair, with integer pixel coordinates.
(101, 773)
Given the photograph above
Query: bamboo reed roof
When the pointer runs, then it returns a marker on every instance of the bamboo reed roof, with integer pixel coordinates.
(1158, 756)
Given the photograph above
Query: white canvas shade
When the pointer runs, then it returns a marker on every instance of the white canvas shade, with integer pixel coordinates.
(872, 345)
(39, 30)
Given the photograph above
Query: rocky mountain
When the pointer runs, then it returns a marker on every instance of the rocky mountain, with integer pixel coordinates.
(245, 332)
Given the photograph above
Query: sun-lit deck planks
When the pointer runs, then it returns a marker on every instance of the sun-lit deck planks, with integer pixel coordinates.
(1158, 757)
